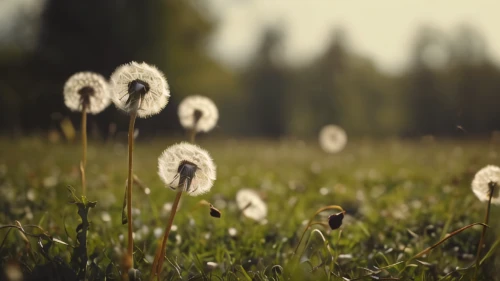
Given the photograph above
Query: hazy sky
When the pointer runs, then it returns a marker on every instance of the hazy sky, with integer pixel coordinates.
(381, 29)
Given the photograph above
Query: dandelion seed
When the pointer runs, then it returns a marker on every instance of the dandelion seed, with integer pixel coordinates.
(232, 232)
(211, 265)
(86, 89)
(484, 181)
(198, 112)
(139, 87)
(251, 205)
(187, 166)
(157, 232)
(105, 217)
(332, 138)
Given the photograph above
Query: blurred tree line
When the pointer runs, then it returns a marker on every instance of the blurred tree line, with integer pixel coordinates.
(450, 81)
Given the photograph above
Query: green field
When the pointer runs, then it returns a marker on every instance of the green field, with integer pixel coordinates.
(400, 197)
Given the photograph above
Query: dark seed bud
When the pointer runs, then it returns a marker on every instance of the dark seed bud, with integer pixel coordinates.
(335, 220)
(214, 212)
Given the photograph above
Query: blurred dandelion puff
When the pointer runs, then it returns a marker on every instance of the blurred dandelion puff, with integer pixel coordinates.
(139, 87)
(187, 166)
(86, 89)
(198, 113)
(251, 205)
(332, 138)
(486, 181)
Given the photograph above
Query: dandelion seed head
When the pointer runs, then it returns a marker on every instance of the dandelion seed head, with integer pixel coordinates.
(251, 204)
(198, 110)
(332, 138)
(169, 168)
(139, 87)
(89, 89)
(482, 182)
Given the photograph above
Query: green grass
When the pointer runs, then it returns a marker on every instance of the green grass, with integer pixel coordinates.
(400, 198)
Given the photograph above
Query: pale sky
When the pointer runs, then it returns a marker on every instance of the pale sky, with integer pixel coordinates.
(380, 29)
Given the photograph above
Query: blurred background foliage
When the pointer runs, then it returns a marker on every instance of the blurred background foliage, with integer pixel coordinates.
(450, 83)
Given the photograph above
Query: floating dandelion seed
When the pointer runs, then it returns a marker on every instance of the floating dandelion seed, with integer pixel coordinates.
(199, 113)
(87, 89)
(187, 166)
(332, 138)
(139, 87)
(484, 181)
(250, 203)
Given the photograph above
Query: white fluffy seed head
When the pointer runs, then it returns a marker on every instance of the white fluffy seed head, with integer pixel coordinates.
(253, 207)
(205, 106)
(175, 155)
(332, 138)
(87, 86)
(489, 175)
(156, 96)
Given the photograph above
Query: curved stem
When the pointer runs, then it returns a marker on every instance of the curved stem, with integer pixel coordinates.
(483, 234)
(160, 251)
(84, 149)
(310, 223)
(130, 248)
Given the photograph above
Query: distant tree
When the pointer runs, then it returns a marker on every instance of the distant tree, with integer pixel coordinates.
(430, 105)
(98, 36)
(476, 82)
(266, 81)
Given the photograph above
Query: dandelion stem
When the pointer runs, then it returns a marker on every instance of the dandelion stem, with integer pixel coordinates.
(446, 237)
(197, 114)
(130, 248)
(84, 148)
(483, 234)
(192, 135)
(160, 251)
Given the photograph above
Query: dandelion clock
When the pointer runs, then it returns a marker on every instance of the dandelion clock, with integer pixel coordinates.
(332, 138)
(198, 114)
(185, 168)
(141, 90)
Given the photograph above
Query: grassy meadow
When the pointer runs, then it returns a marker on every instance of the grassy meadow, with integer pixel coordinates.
(400, 197)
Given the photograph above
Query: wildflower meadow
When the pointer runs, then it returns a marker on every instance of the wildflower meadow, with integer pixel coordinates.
(193, 206)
